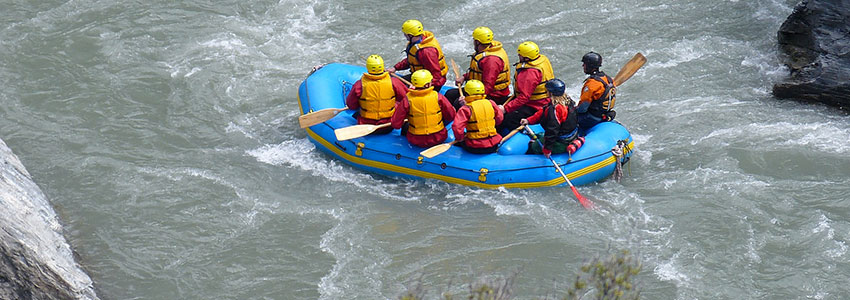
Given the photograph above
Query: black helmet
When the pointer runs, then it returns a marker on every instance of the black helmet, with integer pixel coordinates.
(556, 87)
(592, 60)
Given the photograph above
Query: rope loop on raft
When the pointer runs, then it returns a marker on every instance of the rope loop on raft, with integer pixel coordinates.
(619, 152)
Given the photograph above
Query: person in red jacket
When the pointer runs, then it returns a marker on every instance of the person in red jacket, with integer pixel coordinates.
(530, 95)
(490, 65)
(427, 113)
(423, 53)
(375, 95)
(479, 117)
(559, 123)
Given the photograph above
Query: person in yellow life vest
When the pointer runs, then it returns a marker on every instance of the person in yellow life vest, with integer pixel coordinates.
(598, 94)
(530, 95)
(479, 117)
(423, 53)
(426, 110)
(375, 94)
(490, 65)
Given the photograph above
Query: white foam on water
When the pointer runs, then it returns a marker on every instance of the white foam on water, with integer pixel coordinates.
(357, 265)
(302, 154)
(824, 226)
(644, 156)
(669, 271)
(243, 196)
(753, 244)
(682, 51)
(825, 137)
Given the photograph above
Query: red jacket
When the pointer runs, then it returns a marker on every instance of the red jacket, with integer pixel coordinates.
(526, 81)
(459, 125)
(353, 99)
(430, 59)
(561, 113)
(491, 66)
(424, 141)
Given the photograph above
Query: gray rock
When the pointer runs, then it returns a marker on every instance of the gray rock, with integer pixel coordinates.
(815, 40)
(35, 260)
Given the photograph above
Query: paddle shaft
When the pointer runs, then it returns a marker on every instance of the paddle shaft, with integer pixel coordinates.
(510, 134)
(581, 199)
(402, 79)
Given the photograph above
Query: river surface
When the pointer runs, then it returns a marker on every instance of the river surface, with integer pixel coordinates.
(165, 135)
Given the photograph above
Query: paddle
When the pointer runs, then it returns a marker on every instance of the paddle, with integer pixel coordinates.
(510, 134)
(581, 199)
(356, 131)
(437, 150)
(402, 79)
(318, 116)
(629, 69)
(454, 69)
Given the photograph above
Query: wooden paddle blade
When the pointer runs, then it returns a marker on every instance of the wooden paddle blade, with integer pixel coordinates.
(318, 116)
(631, 67)
(436, 150)
(356, 131)
(454, 69)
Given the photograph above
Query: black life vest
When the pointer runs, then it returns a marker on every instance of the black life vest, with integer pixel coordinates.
(563, 132)
(605, 102)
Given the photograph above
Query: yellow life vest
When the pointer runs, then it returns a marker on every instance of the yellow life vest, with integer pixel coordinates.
(504, 78)
(542, 64)
(424, 116)
(377, 101)
(482, 122)
(428, 40)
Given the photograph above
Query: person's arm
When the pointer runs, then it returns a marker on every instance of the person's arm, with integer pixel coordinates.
(499, 115)
(353, 98)
(535, 118)
(461, 118)
(430, 59)
(446, 108)
(527, 81)
(491, 66)
(400, 113)
(402, 65)
(400, 90)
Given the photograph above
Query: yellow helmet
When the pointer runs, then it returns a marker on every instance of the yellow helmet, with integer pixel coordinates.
(483, 35)
(375, 64)
(529, 50)
(474, 87)
(420, 78)
(412, 27)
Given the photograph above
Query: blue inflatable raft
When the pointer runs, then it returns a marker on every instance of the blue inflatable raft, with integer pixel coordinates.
(510, 167)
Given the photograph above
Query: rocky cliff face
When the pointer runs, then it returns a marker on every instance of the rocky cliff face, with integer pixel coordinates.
(35, 260)
(816, 42)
